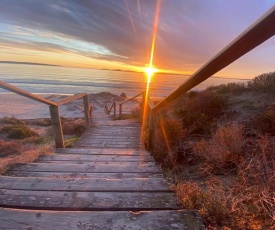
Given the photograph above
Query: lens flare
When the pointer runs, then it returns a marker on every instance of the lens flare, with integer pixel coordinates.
(150, 70)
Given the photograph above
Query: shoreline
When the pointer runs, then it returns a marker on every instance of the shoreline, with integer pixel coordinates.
(14, 105)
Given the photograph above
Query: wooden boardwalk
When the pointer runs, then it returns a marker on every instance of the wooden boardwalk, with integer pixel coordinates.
(107, 181)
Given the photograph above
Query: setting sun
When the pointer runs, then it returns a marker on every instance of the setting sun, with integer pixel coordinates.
(150, 71)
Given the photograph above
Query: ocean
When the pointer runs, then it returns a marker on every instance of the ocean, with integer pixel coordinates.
(64, 80)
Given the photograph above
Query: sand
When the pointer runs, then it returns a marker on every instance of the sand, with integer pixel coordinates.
(13, 105)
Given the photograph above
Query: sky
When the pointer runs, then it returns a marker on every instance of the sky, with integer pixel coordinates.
(117, 34)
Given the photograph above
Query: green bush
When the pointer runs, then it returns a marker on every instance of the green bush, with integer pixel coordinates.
(18, 131)
(11, 120)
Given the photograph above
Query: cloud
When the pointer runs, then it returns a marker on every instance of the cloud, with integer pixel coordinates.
(190, 31)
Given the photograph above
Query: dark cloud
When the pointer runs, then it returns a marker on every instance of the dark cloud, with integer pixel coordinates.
(190, 32)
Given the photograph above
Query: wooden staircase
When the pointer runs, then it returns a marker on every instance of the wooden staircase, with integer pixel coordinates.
(107, 181)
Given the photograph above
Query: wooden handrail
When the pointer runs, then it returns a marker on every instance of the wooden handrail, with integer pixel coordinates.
(108, 110)
(54, 109)
(24, 93)
(254, 35)
(71, 98)
(131, 98)
(150, 103)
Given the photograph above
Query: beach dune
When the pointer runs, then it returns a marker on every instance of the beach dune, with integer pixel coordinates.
(13, 105)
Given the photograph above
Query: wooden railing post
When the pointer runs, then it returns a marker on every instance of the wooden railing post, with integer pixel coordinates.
(151, 131)
(114, 109)
(57, 127)
(86, 110)
(120, 110)
(142, 106)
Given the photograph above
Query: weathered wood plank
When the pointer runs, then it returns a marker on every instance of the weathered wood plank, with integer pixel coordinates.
(90, 151)
(24, 93)
(87, 200)
(113, 167)
(71, 98)
(121, 220)
(111, 146)
(76, 158)
(57, 126)
(84, 175)
(83, 184)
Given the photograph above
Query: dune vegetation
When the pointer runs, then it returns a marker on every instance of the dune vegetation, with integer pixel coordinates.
(218, 148)
(23, 141)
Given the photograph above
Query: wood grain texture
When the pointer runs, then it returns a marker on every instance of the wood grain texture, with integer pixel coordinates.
(100, 183)
(84, 184)
(78, 158)
(120, 220)
(112, 167)
(92, 201)
(103, 175)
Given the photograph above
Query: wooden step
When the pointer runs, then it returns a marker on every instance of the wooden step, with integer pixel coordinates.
(89, 201)
(95, 158)
(95, 151)
(104, 220)
(84, 175)
(84, 184)
(114, 167)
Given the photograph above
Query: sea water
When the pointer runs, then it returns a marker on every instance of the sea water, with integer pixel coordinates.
(64, 80)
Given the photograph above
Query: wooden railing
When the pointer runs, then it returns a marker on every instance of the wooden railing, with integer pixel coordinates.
(54, 109)
(130, 99)
(108, 108)
(254, 35)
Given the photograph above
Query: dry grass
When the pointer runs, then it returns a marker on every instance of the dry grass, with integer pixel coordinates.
(11, 120)
(73, 127)
(246, 203)
(265, 122)
(224, 151)
(201, 112)
(253, 193)
(15, 131)
(14, 152)
(210, 201)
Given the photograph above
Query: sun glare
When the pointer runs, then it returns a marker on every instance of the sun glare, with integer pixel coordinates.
(150, 71)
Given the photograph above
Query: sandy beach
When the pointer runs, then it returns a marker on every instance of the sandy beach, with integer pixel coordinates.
(13, 105)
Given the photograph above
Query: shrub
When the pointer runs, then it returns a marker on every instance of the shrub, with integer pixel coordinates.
(168, 136)
(265, 122)
(253, 195)
(11, 120)
(44, 122)
(211, 202)
(200, 113)
(136, 112)
(18, 131)
(10, 148)
(263, 83)
(224, 151)
(74, 127)
(232, 87)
